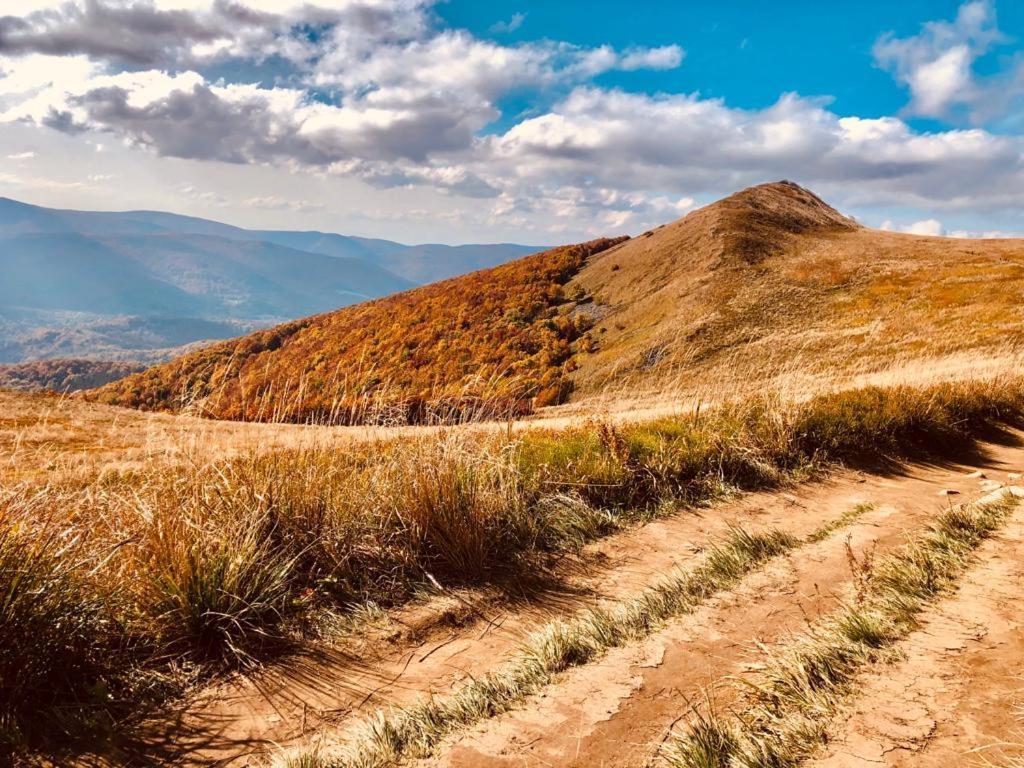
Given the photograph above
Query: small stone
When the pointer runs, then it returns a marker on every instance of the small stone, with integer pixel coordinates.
(990, 485)
(949, 492)
(978, 474)
(1014, 475)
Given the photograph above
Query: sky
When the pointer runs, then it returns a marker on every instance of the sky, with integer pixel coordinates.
(513, 121)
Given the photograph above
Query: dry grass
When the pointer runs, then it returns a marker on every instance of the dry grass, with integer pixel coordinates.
(207, 565)
(390, 738)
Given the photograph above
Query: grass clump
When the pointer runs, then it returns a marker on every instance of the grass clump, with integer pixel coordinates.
(788, 706)
(215, 593)
(58, 648)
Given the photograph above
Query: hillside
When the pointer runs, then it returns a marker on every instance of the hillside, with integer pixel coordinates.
(773, 280)
(490, 342)
(767, 280)
(63, 375)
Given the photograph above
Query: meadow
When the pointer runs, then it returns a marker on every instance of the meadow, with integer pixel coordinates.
(125, 584)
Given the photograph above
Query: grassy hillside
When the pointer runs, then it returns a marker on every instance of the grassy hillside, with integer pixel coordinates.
(494, 341)
(770, 278)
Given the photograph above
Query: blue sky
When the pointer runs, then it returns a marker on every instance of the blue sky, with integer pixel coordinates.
(743, 51)
(509, 120)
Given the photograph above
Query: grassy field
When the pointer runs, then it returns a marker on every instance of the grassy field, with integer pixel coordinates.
(143, 577)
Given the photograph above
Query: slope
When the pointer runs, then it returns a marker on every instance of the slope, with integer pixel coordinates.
(490, 342)
(63, 375)
(773, 280)
(767, 280)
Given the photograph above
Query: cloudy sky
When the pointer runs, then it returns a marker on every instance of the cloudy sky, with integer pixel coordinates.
(513, 120)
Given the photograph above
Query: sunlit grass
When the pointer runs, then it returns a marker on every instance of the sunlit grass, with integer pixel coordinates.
(217, 563)
(788, 705)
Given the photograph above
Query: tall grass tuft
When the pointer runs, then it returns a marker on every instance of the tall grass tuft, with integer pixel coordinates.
(213, 592)
(58, 641)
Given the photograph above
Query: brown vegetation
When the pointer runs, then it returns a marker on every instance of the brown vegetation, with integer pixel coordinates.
(768, 277)
(487, 343)
(64, 375)
(216, 565)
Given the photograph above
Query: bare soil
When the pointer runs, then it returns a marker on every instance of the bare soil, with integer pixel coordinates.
(954, 699)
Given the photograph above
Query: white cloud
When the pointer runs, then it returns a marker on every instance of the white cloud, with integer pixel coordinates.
(665, 57)
(505, 27)
(988, 234)
(928, 227)
(278, 203)
(938, 66)
(21, 156)
(382, 93)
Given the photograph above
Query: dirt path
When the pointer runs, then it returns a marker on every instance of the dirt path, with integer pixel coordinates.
(615, 713)
(321, 696)
(953, 700)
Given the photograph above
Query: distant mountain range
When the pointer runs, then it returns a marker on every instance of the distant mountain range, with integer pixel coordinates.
(140, 285)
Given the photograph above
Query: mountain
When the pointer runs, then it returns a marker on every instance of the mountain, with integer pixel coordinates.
(771, 283)
(417, 264)
(759, 281)
(72, 277)
(420, 264)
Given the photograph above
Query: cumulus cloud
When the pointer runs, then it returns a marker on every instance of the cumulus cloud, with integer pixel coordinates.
(381, 91)
(927, 227)
(134, 33)
(683, 142)
(665, 57)
(938, 66)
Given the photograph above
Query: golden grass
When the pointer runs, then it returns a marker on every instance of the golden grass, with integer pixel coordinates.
(205, 564)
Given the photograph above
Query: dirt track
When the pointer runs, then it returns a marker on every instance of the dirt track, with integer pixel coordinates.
(616, 711)
(954, 699)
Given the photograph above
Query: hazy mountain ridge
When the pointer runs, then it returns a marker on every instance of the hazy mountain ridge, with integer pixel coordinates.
(75, 279)
(63, 375)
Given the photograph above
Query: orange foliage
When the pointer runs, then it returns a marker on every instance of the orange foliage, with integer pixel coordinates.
(485, 344)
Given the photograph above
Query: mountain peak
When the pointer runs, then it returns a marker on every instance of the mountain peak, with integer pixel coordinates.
(757, 222)
(786, 207)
